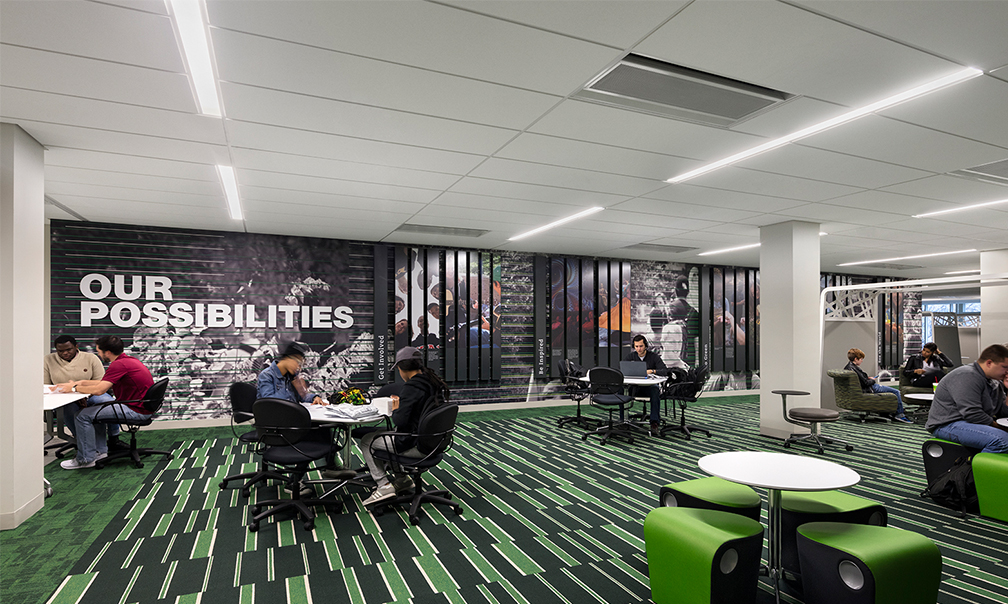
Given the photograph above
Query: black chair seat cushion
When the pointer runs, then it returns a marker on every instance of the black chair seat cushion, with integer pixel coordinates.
(302, 452)
(814, 414)
(131, 422)
(612, 399)
(408, 462)
(249, 437)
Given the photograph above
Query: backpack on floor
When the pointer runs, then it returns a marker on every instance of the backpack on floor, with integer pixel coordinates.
(955, 488)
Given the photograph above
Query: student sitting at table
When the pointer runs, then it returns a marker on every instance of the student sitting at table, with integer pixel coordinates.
(970, 400)
(69, 364)
(870, 386)
(925, 369)
(655, 366)
(423, 388)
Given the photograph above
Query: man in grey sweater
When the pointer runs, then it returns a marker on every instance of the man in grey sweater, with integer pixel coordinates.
(969, 400)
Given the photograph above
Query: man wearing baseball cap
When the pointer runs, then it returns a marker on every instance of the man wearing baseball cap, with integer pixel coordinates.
(420, 391)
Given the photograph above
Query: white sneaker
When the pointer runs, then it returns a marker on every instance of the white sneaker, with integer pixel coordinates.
(386, 491)
(403, 483)
(74, 464)
(100, 456)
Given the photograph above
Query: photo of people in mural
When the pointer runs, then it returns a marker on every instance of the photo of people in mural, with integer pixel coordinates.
(734, 329)
(209, 309)
(664, 310)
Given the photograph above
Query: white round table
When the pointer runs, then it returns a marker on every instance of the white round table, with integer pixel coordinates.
(1003, 421)
(778, 472)
(635, 380)
(922, 396)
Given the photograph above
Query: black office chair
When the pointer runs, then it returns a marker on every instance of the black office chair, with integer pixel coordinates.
(606, 390)
(243, 396)
(577, 391)
(282, 427)
(686, 391)
(434, 437)
(152, 401)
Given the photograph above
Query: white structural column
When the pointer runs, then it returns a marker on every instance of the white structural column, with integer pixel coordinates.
(789, 321)
(993, 300)
(22, 287)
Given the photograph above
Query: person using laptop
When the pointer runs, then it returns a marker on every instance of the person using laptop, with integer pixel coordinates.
(653, 366)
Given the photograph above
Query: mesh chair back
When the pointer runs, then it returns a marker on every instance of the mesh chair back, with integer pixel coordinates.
(280, 422)
(436, 429)
(154, 398)
(242, 396)
(605, 380)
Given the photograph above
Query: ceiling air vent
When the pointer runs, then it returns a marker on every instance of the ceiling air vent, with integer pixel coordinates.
(994, 172)
(425, 229)
(655, 247)
(642, 84)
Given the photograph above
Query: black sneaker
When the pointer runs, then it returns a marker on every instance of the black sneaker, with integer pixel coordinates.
(114, 444)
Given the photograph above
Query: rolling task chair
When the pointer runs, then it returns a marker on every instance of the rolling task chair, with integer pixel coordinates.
(686, 391)
(152, 401)
(434, 437)
(577, 391)
(606, 390)
(243, 396)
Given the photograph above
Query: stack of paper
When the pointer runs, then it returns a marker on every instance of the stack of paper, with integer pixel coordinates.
(352, 411)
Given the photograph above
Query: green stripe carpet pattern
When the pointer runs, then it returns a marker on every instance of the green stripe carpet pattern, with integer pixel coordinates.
(547, 518)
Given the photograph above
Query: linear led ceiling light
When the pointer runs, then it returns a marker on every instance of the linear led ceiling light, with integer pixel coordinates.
(976, 270)
(557, 223)
(961, 208)
(196, 48)
(955, 78)
(905, 258)
(730, 249)
(227, 178)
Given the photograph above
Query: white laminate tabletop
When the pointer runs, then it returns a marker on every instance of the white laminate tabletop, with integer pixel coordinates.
(923, 396)
(1003, 422)
(55, 400)
(321, 415)
(781, 471)
(636, 380)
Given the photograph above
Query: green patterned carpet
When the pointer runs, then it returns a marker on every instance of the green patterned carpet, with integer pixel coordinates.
(548, 518)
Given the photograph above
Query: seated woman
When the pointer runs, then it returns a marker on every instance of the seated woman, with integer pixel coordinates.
(418, 394)
(925, 369)
(869, 385)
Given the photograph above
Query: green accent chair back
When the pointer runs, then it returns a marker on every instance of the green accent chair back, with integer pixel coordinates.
(859, 564)
(905, 387)
(850, 397)
(702, 556)
(712, 493)
(798, 508)
(990, 471)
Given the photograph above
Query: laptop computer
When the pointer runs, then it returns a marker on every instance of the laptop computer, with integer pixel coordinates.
(633, 368)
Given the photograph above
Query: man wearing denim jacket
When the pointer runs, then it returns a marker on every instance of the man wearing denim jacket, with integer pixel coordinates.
(280, 379)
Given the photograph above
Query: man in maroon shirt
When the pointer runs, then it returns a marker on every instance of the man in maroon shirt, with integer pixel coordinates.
(128, 379)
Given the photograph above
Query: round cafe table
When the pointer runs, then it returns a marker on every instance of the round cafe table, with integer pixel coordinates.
(778, 472)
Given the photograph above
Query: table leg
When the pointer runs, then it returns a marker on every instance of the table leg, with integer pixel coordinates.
(774, 539)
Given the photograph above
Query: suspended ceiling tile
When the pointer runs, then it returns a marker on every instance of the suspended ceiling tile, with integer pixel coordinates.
(619, 23)
(280, 65)
(304, 208)
(591, 122)
(786, 48)
(104, 115)
(791, 116)
(314, 201)
(882, 201)
(266, 161)
(111, 193)
(590, 156)
(479, 218)
(488, 241)
(54, 213)
(960, 191)
(273, 224)
(888, 140)
(426, 35)
(972, 33)
(775, 185)
(312, 184)
(302, 112)
(816, 164)
(735, 229)
(721, 198)
(934, 226)
(71, 176)
(533, 192)
(106, 141)
(663, 220)
(505, 169)
(93, 30)
(128, 163)
(683, 210)
(518, 206)
(823, 212)
(329, 146)
(90, 78)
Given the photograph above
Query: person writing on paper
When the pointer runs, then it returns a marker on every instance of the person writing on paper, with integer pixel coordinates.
(128, 379)
(925, 369)
(68, 364)
(970, 399)
(655, 367)
(281, 379)
(869, 385)
(422, 390)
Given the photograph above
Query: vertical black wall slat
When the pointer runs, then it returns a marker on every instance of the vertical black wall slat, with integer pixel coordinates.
(381, 314)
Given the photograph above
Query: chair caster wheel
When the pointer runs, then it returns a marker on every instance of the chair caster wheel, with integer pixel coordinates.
(787, 445)
(849, 448)
(170, 457)
(602, 442)
(819, 451)
(223, 484)
(49, 493)
(458, 510)
(253, 527)
(138, 465)
(309, 525)
(630, 441)
(414, 520)
(245, 493)
(584, 437)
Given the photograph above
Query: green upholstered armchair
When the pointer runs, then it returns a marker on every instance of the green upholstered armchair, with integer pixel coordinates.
(905, 388)
(849, 395)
